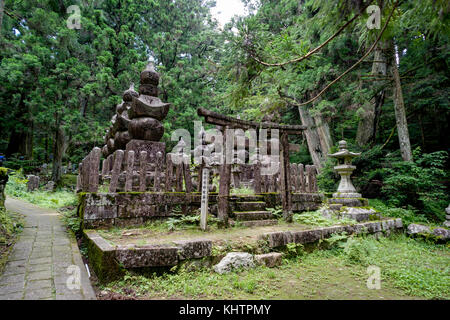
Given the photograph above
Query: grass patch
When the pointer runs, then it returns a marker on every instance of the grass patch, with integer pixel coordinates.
(17, 187)
(10, 225)
(410, 269)
(408, 216)
(315, 218)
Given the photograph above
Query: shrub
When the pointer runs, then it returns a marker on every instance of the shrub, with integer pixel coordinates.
(72, 221)
(9, 225)
(408, 216)
(418, 184)
(328, 179)
(17, 187)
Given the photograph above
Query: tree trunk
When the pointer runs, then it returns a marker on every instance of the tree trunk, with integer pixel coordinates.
(60, 148)
(368, 125)
(2, 9)
(317, 136)
(400, 113)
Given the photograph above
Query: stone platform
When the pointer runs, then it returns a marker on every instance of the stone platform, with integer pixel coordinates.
(106, 210)
(110, 254)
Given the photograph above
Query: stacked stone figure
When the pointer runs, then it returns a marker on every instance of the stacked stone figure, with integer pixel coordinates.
(147, 110)
(117, 135)
(138, 119)
(145, 114)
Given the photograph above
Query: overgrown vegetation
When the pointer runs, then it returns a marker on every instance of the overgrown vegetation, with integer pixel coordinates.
(10, 225)
(409, 269)
(413, 190)
(315, 218)
(188, 222)
(418, 184)
(17, 187)
(408, 216)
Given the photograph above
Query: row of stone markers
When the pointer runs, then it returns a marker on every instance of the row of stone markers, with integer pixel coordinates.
(125, 174)
(88, 173)
(304, 180)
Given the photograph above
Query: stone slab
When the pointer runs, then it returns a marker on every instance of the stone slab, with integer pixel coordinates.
(153, 256)
(193, 249)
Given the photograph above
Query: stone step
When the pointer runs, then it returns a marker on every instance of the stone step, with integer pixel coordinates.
(251, 206)
(253, 215)
(247, 198)
(349, 202)
(336, 207)
(258, 223)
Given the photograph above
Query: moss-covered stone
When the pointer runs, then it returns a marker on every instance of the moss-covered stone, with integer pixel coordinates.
(102, 258)
(3, 180)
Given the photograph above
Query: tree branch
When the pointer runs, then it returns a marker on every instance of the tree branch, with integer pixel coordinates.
(355, 65)
(312, 51)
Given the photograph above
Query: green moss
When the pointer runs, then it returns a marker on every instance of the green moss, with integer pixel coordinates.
(3, 172)
(104, 263)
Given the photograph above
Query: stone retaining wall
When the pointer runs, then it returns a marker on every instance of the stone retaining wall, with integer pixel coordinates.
(109, 262)
(279, 239)
(106, 210)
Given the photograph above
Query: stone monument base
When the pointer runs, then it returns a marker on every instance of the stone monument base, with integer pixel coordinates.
(347, 195)
(349, 205)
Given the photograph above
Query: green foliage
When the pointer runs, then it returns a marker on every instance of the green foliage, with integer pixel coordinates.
(72, 221)
(241, 190)
(337, 240)
(25, 165)
(9, 225)
(17, 187)
(408, 216)
(328, 179)
(17, 184)
(418, 184)
(315, 218)
(187, 221)
(277, 212)
(293, 250)
(408, 267)
(357, 250)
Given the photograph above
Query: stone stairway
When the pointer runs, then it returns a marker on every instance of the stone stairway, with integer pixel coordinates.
(250, 211)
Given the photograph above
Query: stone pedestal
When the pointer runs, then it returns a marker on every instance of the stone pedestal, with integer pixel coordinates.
(346, 188)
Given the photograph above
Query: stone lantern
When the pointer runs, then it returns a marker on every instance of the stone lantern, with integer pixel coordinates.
(346, 202)
(345, 170)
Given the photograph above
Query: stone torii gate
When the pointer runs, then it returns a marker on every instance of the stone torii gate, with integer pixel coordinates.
(226, 122)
